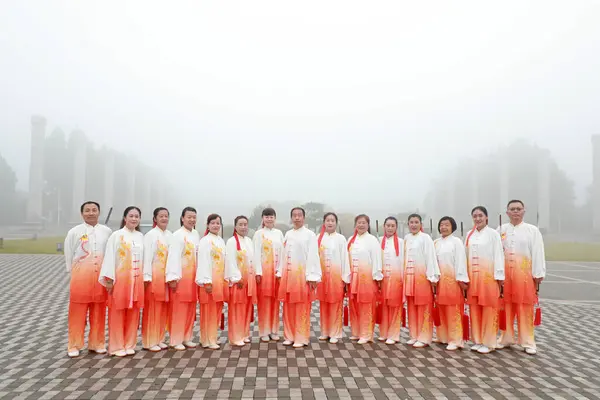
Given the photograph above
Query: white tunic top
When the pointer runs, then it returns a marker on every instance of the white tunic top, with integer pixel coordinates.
(151, 240)
(451, 251)
(486, 245)
(232, 270)
(96, 236)
(109, 265)
(366, 249)
(525, 240)
(301, 249)
(176, 251)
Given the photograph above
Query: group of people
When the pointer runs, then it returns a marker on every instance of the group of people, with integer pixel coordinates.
(496, 273)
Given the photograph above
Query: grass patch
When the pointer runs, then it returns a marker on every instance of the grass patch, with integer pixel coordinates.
(583, 252)
(42, 245)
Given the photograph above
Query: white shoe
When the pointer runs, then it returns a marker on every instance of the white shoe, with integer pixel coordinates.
(298, 345)
(475, 347)
(287, 343)
(500, 346)
(179, 347)
(74, 353)
(411, 342)
(354, 338)
(154, 349)
(323, 337)
(247, 340)
(452, 347)
(363, 341)
(530, 351)
(419, 345)
(390, 341)
(101, 350)
(274, 337)
(163, 346)
(130, 352)
(333, 340)
(484, 350)
(214, 347)
(381, 339)
(190, 344)
(120, 353)
(265, 339)
(239, 344)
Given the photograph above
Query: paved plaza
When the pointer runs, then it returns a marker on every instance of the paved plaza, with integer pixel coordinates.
(34, 364)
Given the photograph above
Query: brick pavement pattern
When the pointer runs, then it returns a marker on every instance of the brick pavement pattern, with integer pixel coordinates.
(34, 364)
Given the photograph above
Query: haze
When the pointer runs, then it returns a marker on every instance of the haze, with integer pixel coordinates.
(360, 105)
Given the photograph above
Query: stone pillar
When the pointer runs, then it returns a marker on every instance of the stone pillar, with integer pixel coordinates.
(109, 180)
(36, 169)
(596, 183)
(79, 171)
(130, 197)
(544, 191)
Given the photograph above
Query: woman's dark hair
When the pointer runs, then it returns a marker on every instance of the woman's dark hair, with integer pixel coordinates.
(267, 212)
(89, 202)
(212, 217)
(449, 219)
(190, 209)
(332, 214)
(366, 217)
(298, 208)
(127, 210)
(156, 211)
(480, 208)
(411, 216)
(391, 219)
(237, 219)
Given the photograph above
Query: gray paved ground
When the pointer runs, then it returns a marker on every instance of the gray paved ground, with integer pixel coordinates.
(34, 365)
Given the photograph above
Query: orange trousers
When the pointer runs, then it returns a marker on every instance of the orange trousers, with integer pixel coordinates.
(180, 320)
(524, 315)
(122, 328)
(210, 317)
(154, 320)
(420, 321)
(77, 320)
(484, 325)
(391, 322)
(331, 319)
(268, 315)
(451, 330)
(296, 321)
(238, 321)
(362, 318)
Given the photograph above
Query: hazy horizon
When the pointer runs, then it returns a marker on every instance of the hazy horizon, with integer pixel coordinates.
(339, 102)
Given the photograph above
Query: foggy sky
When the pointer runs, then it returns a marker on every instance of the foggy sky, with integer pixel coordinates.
(244, 101)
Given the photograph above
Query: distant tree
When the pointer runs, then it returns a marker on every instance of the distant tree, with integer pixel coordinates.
(58, 175)
(346, 224)
(314, 214)
(255, 218)
(283, 227)
(8, 193)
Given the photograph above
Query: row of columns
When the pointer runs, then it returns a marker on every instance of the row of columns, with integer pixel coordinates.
(543, 176)
(144, 198)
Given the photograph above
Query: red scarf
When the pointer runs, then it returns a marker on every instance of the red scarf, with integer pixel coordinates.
(321, 235)
(153, 224)
(352, 239)
(396, 244)
(237, 241)
(206, 232)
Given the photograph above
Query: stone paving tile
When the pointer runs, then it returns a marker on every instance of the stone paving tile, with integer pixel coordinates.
(34, 365)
